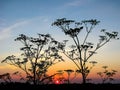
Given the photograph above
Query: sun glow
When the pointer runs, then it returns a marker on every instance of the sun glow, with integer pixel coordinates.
(57, 82)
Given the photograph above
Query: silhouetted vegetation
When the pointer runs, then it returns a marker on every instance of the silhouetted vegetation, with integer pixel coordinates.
(82, 50)
(69, 71)
(38, 55)
(5, 77)
(107, 76)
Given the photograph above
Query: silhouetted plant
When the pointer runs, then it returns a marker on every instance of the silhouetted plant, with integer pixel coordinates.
(19, 74)
(60, 77)
(69, 71)
(38, 55)
(6, 78)
(81, 51)
(106, 76)
(92, 64)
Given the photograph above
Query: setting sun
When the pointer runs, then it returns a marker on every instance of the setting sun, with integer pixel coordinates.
(57, 82)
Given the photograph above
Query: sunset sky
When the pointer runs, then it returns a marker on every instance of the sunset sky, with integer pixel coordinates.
(30, 17)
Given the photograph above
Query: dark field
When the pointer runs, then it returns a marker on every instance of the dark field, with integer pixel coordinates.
(21, 86)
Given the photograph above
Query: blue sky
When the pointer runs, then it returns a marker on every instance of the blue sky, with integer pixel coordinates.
(35, 11)
(36, 16)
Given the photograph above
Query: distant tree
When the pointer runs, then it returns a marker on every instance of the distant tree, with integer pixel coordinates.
(107, 76)
(38, 55)
(82, 50)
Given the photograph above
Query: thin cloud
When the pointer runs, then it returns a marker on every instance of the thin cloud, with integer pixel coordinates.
(6, 32)
(75, 3)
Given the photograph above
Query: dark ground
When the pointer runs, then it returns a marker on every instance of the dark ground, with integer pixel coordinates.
(21, 86)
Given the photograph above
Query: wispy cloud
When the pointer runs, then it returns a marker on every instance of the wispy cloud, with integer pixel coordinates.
(74, 3)
(6, 32)
(28, 24)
